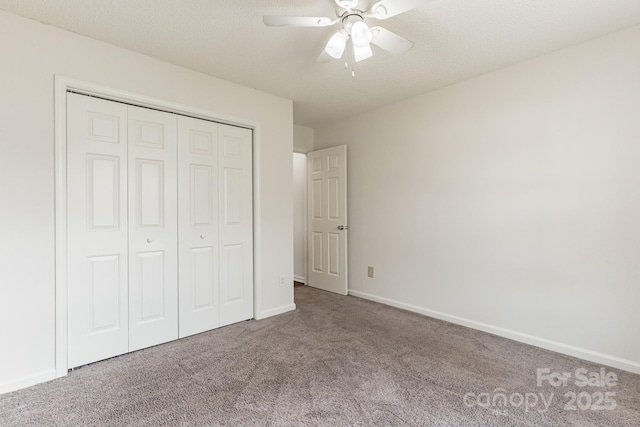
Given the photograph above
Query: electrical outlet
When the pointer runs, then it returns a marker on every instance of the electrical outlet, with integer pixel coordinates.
(370, 272)
(281, 280)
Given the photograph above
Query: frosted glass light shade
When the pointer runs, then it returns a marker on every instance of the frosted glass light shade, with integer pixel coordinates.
(361, 34)
(337, 43)
(362, 53)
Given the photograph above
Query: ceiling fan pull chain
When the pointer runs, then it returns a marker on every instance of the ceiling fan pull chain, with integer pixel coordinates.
(353, 63)
(353, 60)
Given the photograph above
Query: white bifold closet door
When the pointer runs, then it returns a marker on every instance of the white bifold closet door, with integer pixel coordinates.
(198, 213)
(97, 230)
(153, 228)
(215, 225)
(160, 227)
(235, 211)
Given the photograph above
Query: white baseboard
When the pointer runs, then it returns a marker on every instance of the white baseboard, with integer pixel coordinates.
(300, 279)
(276, 311)
(27, 381)
(592, 356)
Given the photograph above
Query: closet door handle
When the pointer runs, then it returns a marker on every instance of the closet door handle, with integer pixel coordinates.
(202, 236)
(149, 240)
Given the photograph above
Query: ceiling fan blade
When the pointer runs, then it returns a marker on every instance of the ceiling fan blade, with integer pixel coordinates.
(297, 21)
(362, 53)
(389, 41)
(387, 8)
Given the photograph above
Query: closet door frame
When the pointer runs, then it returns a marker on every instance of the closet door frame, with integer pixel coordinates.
(62, 86)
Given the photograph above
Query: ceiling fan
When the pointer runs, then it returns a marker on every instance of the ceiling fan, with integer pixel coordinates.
(355, 29)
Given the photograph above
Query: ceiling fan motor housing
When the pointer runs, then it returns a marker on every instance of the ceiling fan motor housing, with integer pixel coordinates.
(347, 4)
(350, 18)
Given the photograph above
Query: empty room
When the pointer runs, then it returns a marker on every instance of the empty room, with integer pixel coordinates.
(320, 213)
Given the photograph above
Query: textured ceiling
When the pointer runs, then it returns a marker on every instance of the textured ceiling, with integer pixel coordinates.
(454, 40)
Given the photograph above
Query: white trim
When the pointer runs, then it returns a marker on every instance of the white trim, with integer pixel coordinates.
(60, 234)
(300, 279)
(276, 311)
(28, 380)
(257, 224)
(592, 356)
(305, 222)
(64, 84)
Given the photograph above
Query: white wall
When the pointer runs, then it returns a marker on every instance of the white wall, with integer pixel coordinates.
(302, 139)
(509, 202)
(300, 217)
(302, 143)
(32, 54)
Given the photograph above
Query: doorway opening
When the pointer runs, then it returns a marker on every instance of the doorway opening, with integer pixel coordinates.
(299, 219)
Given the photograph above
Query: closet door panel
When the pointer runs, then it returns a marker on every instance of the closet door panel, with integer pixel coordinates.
(198, 225)
(97, 229)
(153, 234)
(236, 224)
(160, 227)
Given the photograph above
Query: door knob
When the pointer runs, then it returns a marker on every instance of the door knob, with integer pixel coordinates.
(149, 240)
(343, 227)
(202, 236)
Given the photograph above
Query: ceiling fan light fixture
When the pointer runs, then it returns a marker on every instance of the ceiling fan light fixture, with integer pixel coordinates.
(347, 4)
(362, 53)
(355, 33)
(337, 43)
(361, 34)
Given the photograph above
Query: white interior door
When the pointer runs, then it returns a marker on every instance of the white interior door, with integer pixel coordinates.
(153, 229)
(327, 219)
(235, 206)
(198, 225)
(97, 229)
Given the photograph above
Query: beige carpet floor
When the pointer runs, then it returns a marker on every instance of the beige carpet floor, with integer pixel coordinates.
(335, 361)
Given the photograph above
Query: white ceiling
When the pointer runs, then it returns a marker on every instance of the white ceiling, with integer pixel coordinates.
(454, 40)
